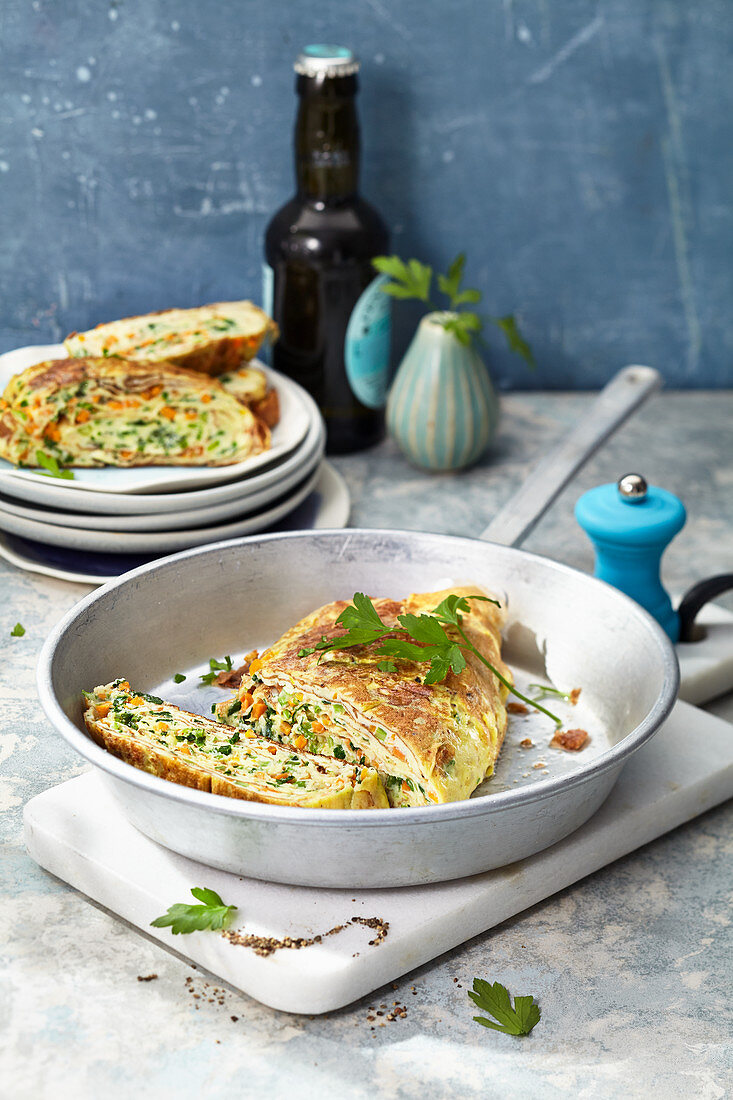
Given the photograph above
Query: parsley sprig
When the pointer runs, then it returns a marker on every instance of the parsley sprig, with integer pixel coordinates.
(426, 640)
(412, 279)
(50, 467)
(18, 631)
(543, 691)
(182, 918)
(216, 667)
(516, 1019)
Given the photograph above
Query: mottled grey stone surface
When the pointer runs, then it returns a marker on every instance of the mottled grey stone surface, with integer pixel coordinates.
(631, 966)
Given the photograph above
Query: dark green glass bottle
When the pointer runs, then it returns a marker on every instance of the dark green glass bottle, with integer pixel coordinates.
(319, 284)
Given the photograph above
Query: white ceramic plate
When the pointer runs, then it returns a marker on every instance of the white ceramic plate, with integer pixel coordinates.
(162, 542)
(50, 492)
(165, 521)
(295, 418)
(327, 506)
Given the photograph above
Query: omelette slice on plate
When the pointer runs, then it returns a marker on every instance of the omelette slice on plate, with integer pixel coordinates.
(211, 338)
(116, 412)
(185, 748)
(431, 743)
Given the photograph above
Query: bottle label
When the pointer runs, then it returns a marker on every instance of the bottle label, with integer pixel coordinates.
(367, 346)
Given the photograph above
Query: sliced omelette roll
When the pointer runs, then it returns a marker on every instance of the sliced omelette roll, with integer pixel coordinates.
(114, 412)
(249, 385)
(430, 743)
(210, 339)
(163, 740)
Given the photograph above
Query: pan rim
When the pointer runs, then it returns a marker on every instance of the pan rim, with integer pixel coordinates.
(297, 816)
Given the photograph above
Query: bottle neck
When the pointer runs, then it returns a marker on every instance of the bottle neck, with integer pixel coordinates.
(327, 139)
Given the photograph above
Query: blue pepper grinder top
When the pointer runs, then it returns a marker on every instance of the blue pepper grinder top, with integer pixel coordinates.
(630, 525)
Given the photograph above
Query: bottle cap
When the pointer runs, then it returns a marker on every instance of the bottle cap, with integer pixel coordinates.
(322, 60)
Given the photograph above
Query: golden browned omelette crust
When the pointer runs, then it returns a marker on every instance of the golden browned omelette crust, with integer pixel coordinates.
(184, 748)
(210, 339)
(249, 385)
(439, 741)
(117, 412)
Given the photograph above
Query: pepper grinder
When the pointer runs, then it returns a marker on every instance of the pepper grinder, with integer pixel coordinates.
(630, 525)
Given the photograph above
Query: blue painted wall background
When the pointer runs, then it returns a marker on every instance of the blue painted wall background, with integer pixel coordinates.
(580, 152)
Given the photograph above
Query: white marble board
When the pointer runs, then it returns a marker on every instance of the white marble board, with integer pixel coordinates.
(684, 770)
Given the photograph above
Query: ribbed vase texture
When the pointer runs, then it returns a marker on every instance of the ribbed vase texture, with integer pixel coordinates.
(442, 408)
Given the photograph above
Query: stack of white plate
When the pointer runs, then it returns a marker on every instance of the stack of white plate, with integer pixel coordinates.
(104, 521)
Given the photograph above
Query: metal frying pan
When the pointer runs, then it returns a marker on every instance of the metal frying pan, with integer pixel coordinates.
(171, 615)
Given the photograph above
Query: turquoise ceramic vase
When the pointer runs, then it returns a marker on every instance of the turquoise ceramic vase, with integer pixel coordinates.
(442, 408)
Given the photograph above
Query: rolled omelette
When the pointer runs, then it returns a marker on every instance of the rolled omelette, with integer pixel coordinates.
(185, 748)
(210, 339)
(430, 743)
(116, 412)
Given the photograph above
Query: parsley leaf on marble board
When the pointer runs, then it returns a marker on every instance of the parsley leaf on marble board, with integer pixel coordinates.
(182, 918)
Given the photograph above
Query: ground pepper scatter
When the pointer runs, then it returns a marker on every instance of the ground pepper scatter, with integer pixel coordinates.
(267, 945)
(207, 994)
(398, 1011)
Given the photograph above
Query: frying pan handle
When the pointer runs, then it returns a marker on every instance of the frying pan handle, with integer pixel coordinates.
(626, 391)
(696, 598)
